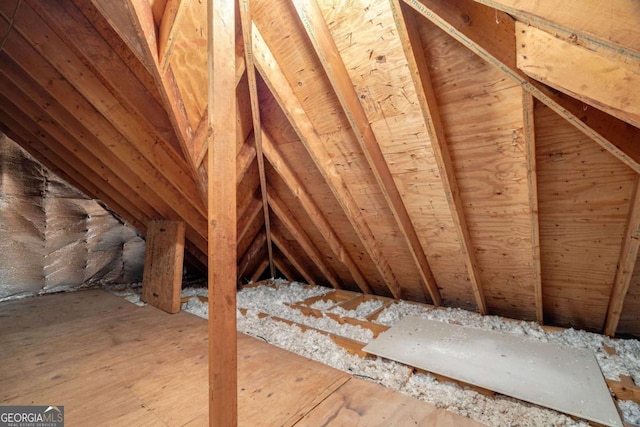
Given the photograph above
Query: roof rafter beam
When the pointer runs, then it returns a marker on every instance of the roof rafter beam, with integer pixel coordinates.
(626, 264)
(246, 23)
(492, 37)
(261, 269)
(532, 178)
(311, 208)
(250, 254)
(318, 32)
(414, 53)
(582, 21)
(290, 105)
(248, 216)
(280, 210)
(293, 257)
(285, 270)
(142, 18)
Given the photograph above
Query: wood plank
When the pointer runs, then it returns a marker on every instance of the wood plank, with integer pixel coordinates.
(223, 358)
(326, 49)
(583, 21)
(284, 269)
(294, 258)
(246, 21)
(248, 217)
(282, 91)
(141, 360)
(286, 217)
(298, 189)
(245, 158)
(604, 83)
(529, 134)
(163, 263)
(494, 41)
(626, 264)
(414, 52)
(360, 402)
(167, 30)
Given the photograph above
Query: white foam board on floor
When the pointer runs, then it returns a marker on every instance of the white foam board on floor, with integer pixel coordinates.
(566, 379)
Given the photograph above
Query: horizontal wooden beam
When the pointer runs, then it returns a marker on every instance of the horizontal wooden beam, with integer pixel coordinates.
(602, 82)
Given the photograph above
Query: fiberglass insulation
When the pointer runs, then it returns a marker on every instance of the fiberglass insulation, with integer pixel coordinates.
(53, 237)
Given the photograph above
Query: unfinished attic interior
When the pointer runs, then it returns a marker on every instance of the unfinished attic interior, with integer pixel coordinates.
(472, 162)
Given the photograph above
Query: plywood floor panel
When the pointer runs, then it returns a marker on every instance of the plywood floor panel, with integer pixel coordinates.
(110, 362)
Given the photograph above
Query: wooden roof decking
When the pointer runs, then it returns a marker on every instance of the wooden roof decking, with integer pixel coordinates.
(406, 148)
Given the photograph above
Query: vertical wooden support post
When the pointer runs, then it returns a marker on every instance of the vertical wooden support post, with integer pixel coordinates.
(221, 164)
(163, 259)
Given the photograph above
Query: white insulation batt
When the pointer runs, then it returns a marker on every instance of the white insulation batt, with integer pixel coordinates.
(53, 237)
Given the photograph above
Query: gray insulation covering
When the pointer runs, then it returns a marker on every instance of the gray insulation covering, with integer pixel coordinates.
(53, 237)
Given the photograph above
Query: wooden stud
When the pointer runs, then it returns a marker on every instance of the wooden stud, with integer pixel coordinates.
(602, 82)
(286, 217)
(626, 264)
(223, 362)
(286, 98)
(297, 188)
(245, 14)
(329, 55)
(294, 258)
(163, 262)
(530, 143)
(492, 37)
(414, 52)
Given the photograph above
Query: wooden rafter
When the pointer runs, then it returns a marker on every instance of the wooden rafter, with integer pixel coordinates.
(173, 13)
(245, 14)
(293, 257)
(626, 264)
(223, 376)
(311, 208)
(585, 22)
(286, 98)
(286, 217)
(261, 269)
(90, 90)
(329, 55)
(248, 216)
(48, 88)
(492, 38)
(141, 16)
(284, 269)
(244, 159)
(414, 52)
(530, 144)
(256, 247)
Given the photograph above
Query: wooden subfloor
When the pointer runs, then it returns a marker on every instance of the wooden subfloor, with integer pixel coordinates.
(110, 362)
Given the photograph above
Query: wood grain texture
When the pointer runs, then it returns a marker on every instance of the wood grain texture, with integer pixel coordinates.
(602, 82)
(163, 264)
(584, 195)
(491, 168)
